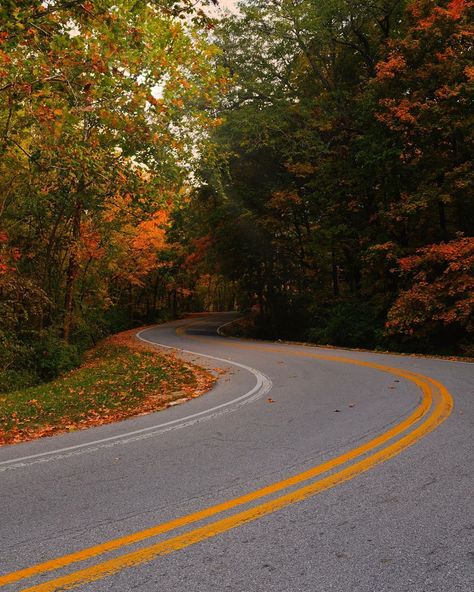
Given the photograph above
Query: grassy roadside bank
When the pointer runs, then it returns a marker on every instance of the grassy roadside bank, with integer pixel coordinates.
(120, 378)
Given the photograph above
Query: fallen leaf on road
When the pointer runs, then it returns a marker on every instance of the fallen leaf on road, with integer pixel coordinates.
(270, 400)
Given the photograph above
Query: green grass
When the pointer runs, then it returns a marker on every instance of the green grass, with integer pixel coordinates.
(117, 381)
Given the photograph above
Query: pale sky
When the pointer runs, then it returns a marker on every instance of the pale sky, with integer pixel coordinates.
(229, 4)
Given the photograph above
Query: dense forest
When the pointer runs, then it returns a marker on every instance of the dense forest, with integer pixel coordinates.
(307, 161)
(339, 193)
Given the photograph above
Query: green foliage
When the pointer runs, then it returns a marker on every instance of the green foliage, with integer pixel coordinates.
(22, 307)
(116, 382)
(34, 356)
(104, 107)
(14, 356)
(16, 379)
(290, 163)
(347, 144)
(52, 356)
(347, 324)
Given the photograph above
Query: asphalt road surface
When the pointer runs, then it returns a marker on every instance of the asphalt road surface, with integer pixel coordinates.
(304, 469)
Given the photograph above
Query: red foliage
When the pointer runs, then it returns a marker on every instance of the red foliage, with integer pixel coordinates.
(441, 292)
(456, 8)
(428, 13)
(200, 248)
(388, 68)
(424, 81)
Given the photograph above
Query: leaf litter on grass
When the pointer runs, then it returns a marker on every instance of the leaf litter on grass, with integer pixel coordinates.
(120, 378)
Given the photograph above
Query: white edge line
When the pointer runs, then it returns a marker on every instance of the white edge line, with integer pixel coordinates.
(263, 386)
(219, 329)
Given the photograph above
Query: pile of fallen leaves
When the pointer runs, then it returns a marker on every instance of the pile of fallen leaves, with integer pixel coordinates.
(120, 378)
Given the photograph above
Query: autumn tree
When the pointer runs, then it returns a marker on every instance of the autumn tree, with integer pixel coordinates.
(346, 146)
(425, 87)
(104, 108)
(436, 308)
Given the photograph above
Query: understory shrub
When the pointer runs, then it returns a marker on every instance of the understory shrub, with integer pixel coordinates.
(347, 324)
(52, 356)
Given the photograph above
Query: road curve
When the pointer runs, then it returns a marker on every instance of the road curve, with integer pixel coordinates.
(303, 469)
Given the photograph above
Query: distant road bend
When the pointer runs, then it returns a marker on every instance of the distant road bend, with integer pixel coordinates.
(304, 469)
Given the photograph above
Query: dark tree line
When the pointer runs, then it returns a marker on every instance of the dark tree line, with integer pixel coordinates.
(338, 192)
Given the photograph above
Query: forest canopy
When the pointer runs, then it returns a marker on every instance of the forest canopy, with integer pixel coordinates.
(104, 108)
(341, 199)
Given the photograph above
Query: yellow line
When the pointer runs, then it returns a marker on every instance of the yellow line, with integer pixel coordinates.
(91, 552)
(441, 411)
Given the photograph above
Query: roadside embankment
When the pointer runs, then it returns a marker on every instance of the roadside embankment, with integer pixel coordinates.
(120, 378)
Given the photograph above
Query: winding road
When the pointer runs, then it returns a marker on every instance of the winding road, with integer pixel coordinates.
(304, 469)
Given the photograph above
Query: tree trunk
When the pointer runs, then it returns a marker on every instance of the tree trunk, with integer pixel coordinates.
(72, 269)
(131, 304)
(335, 278)
(174, 304)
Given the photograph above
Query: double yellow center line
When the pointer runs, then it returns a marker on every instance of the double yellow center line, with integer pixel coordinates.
(435, 406)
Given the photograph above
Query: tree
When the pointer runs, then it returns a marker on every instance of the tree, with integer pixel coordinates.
(424, 88)
(105, 108)
(436, 307)
(345, 145)
(103, 102)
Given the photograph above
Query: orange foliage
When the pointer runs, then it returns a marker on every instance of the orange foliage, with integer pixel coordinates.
(150, 234)
(389, 68)
(428, 15)
(397, 112)
(200, 248)
(441, 292)
(469, 72)
(447, 54)
(436, 56)
(140, 251)
(90, 242)
(447, 92)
